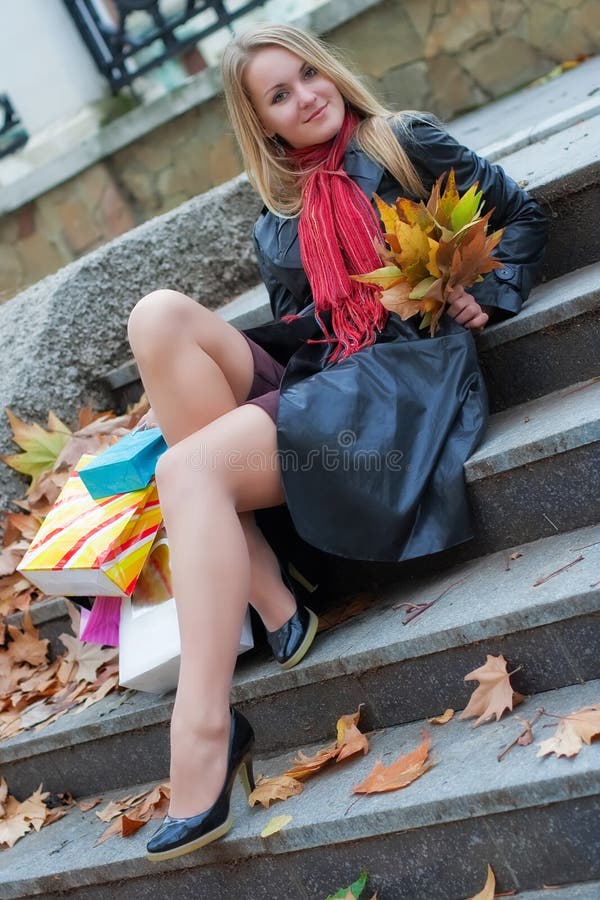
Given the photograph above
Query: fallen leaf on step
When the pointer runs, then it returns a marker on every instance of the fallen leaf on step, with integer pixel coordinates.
(349, 741)
(279, 787)
(82, 661)
(86, 805)
(353, 892)
(443, 719)
(135, 811)
(488, 889)
(274, 825)
(572, 731)
(18, 818)
(494, 694)
(398, 774)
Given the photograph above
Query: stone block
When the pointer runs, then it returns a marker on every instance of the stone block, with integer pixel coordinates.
(377, 43)
(453, 89)
(465, 24)
(506, 64)
(91, 184)
(203, 249)
(507, 14)
(79, 230)
(40, 256)
(562, 36)
(117, 218)
(406, 87)
(11, 272)
(586, 21)
(420, 12)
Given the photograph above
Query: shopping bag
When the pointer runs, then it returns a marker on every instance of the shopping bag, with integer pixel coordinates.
(125, 466)
(88, 547)
(149, 645)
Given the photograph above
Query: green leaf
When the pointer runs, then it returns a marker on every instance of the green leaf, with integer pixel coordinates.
(420, 290)
(467, 208)
(425, 321)
(41, 448)
(386, 277)
(356, 888)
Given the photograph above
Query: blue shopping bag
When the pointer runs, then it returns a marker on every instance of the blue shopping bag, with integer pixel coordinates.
(125, 466)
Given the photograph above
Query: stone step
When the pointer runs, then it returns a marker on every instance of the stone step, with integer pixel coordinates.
(521, 118)
(400, 672)
(552, 343)
(433, 839)
(537, 470)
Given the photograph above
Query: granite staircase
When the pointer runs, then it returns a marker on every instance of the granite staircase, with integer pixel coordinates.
(535, 490)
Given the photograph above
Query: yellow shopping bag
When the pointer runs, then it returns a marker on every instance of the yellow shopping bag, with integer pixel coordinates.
(89, 547)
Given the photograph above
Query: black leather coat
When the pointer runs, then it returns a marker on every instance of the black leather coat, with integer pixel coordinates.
(373, 448)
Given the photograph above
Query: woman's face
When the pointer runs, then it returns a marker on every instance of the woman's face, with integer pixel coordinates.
(292, 99)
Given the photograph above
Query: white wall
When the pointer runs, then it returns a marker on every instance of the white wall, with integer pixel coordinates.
(45, 67)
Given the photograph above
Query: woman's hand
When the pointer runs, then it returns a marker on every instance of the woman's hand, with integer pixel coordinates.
(464, 309)
(148, 420)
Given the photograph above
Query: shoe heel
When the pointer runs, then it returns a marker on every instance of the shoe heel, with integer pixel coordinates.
(246, 773)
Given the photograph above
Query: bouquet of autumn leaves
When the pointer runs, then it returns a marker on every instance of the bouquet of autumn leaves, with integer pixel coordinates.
(431, 248)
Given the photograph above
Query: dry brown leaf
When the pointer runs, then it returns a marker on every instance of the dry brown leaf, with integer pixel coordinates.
(399, 773)
(86, 805)
(572, 731)
(443, 719)
(494, 694)
(279, 787)
(152, 804)
(349, 741)
(488, 889)
(26, 645)
(82, 661)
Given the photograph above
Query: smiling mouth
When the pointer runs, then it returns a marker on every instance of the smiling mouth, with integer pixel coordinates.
(316, 113)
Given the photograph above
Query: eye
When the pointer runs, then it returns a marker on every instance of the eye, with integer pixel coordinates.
(279, 96)
(310, 72)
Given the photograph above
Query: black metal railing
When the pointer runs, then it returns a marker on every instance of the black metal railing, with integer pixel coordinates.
(12, 132)
(123, 51)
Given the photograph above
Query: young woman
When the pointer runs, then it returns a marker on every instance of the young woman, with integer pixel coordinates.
(360, 422)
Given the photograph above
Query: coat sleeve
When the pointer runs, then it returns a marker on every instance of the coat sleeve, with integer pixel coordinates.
(287, 296)
(433, 151)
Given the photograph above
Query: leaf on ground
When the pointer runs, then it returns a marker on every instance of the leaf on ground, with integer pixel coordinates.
(18, 818)
(572, 731)
(278, 787)
(353, 892)
(274, 825)
(26, 645)
(487, 893)
(443, 719)
(82, 661)
(349, 741)
(86, 805)
(135, 811)
(494, 694)
(354, 607)
(40, 446)
(398, 774)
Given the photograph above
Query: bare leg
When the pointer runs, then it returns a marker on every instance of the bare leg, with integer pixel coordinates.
(195, 367)
(202, 497)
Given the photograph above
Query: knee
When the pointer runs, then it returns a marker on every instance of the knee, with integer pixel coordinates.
(184, 471)
(155, 320)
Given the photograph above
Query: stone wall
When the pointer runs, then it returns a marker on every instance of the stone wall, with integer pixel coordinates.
(444, 55)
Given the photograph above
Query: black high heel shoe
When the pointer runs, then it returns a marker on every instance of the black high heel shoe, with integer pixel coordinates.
(293, 640)
(174, 836)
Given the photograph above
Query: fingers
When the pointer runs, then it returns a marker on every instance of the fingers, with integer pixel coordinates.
(463, 308)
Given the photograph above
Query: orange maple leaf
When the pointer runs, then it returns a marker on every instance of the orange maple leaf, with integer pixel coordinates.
(399, 773)
(494, 694)
(278, 787)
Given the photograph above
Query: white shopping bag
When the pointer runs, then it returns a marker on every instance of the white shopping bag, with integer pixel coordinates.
(149, 646)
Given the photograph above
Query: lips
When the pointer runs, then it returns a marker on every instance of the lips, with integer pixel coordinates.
(316, 113)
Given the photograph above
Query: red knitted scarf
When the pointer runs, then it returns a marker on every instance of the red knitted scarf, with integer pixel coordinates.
(336, 230)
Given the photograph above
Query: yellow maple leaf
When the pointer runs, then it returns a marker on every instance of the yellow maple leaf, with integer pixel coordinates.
(41, 447)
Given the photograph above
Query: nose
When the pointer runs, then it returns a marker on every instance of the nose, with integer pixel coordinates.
(306, 95)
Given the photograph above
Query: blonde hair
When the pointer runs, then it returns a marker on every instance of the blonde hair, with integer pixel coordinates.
(268, 170)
